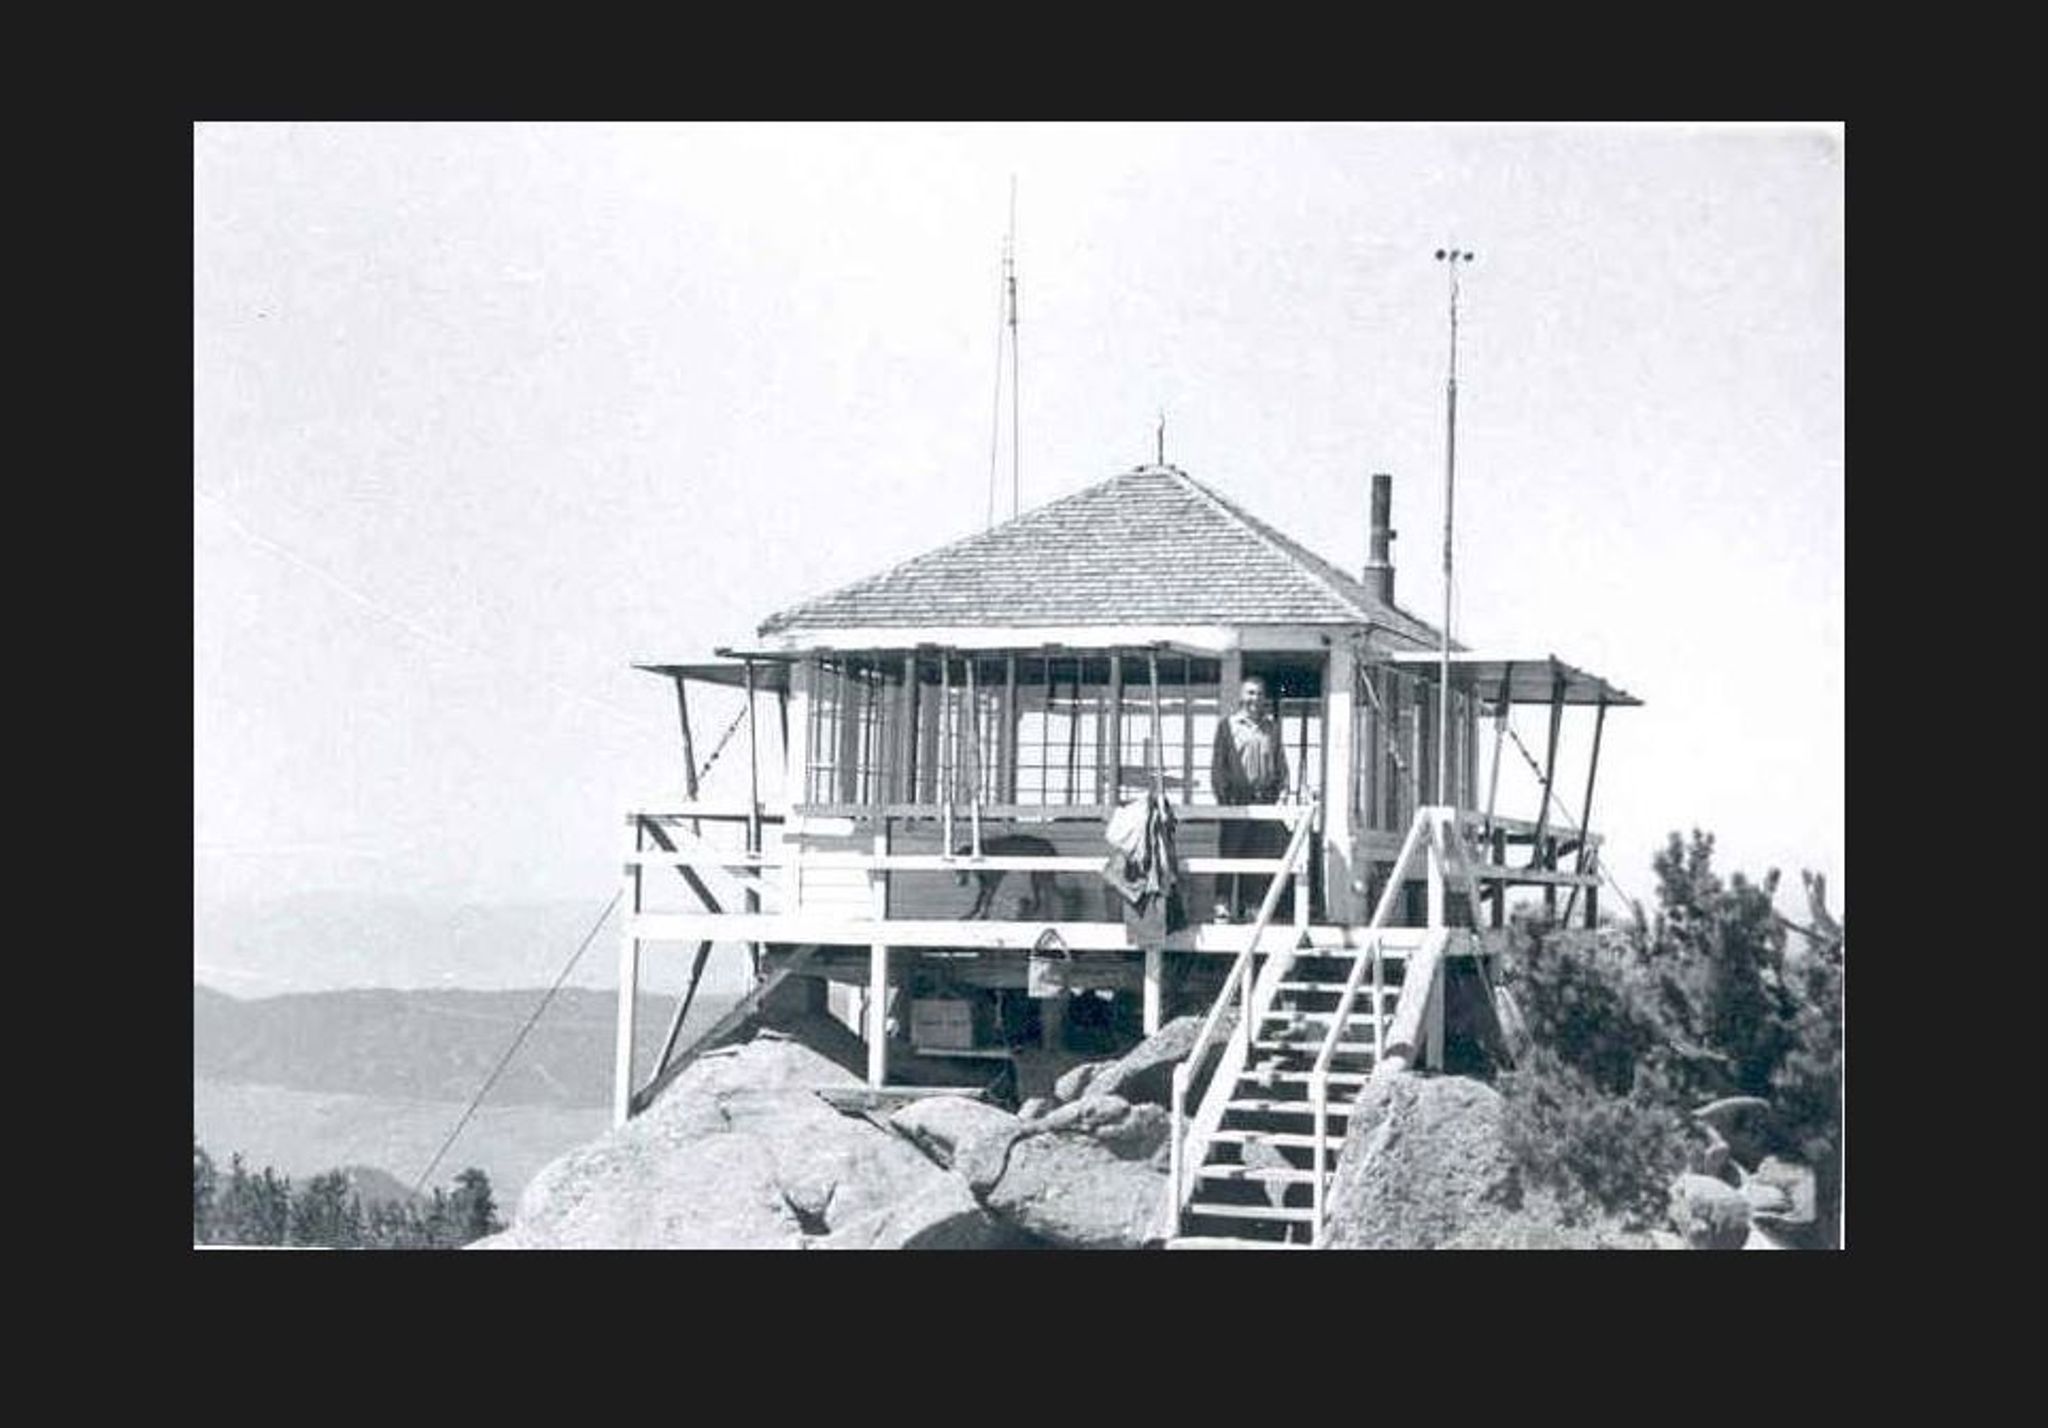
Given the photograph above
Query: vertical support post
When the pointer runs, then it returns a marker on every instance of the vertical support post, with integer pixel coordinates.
(1298, 873)
(1155, 960)
(689, 748)
(1074, 738)
(753, 803)
(906, 735)
(878, 1015)
(629, 988)
(930, 759)
(1007, 769)
(1439, 992)
(1413, 707)
(1187, 729)
(1116, 727)
(846, 734)
(1536, 850)
(1340, 781)
(1438, 858)
(949, 753)
(782, 715)
(1540, 855)
(1156, 752)
(1500, 886)
(1586, 811)
(1500, 733)
(974, 747)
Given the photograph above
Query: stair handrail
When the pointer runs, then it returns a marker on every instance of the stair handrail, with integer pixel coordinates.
(1319, 1076)
(1238, 982)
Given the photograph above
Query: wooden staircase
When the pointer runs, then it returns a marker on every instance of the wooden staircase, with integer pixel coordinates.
(1252, 1165)
(1253, 1175)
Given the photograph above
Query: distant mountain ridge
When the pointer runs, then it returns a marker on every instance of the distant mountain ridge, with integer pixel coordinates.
(429, 1044)
(331, 941)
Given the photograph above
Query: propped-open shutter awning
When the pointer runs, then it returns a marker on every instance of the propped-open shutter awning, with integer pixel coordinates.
(768, 673)
(1532, 679)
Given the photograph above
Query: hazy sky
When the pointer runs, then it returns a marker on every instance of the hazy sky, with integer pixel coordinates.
(484, 413)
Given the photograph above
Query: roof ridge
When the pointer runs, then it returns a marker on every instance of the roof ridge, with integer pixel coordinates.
(1318, 566)
(792, 614)
(1276, 540)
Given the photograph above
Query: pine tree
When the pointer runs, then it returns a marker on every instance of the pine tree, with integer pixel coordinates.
(439, 1229)
(273, 1197)
(236, 1218)
(317, 1213)
(204, 1185)
(472, 1209)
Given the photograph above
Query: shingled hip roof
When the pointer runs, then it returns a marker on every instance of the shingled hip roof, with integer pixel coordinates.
(1152, 546)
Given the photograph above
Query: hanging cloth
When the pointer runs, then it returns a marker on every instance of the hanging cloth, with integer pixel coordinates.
(1147, 878)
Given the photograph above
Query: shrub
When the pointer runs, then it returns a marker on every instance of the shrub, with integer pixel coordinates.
(1634, 1026)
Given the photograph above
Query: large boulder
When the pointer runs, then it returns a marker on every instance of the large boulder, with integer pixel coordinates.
(1710, 1213)
(942, 1215)
(1073, 1083)
(939, 1125)
(1783, 1201)
(737, 1153)
(1423, 1164)
(1091, 1175)
(1144, 1074)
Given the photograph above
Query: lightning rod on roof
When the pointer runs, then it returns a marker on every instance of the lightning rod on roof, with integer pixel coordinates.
(1450, 258)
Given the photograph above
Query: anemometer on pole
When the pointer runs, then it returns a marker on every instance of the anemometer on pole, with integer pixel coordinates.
(1450, 258)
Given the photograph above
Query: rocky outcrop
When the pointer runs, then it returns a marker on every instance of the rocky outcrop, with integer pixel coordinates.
(1710, 1213)
(738, 1153)
(1144, 1075)
(1091, 1175)
(1423, 1164)
(1774, 1199)
(939, 1125)
(942, 1215)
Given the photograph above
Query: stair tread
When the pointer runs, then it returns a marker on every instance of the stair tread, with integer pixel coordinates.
(1227, 1242)
(1326, 1013)
(1342, 1048)
(1299, 1078)
(1289, 1108)
(1300, 1140)
(1289, 1176)
(1299, 1214)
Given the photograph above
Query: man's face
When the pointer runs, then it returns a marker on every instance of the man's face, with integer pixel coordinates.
(1251, 697)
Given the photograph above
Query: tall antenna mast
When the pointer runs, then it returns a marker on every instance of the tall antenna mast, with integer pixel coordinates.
(1006, 316)
(1010, 284)
(1450, 258)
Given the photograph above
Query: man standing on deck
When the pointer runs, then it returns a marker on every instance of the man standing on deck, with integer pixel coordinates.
(1248, 765)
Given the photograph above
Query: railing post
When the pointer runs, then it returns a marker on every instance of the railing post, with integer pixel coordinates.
(1322, 1101)
(1438, 854)
(629, 988)
(1175, 1173)
(1244, 999)
(1155, 958)
(878, 964)
(1299, 873)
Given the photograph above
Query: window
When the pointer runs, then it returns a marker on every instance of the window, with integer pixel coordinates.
(1037, 729)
